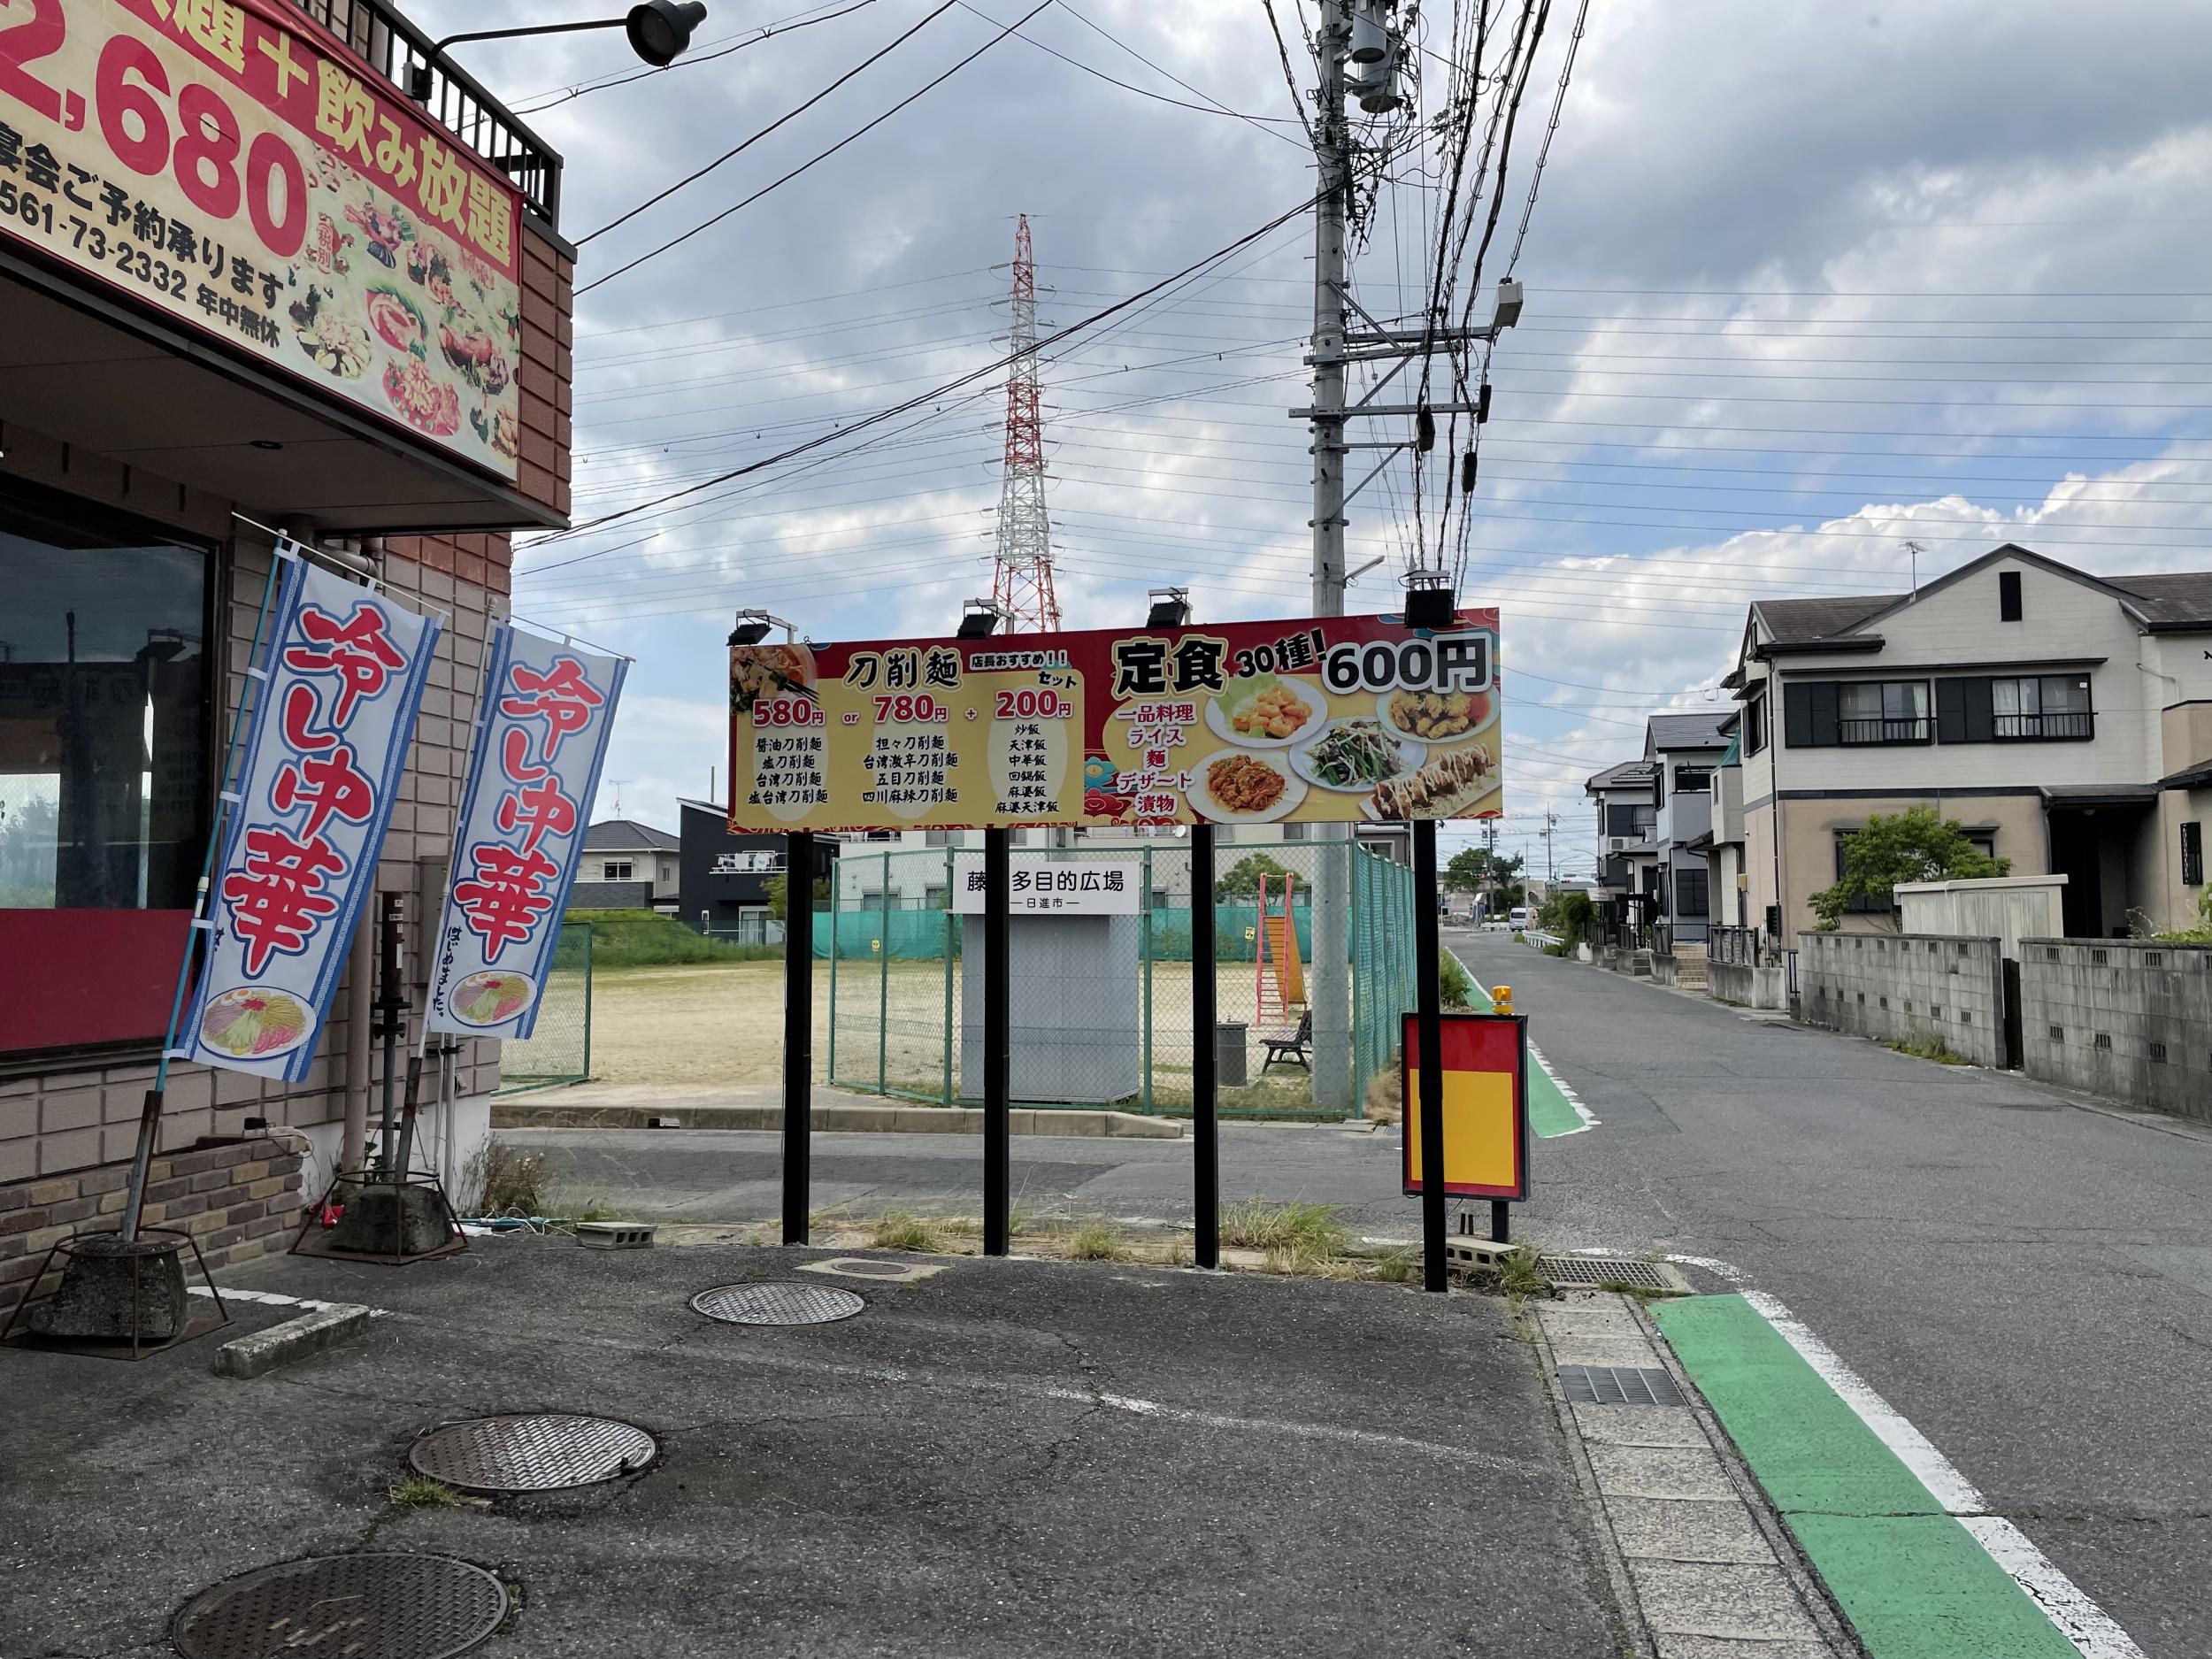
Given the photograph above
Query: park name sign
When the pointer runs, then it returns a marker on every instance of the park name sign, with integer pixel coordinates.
(228, 165)
(337, 691)
(1084, 888)
(1333, 719)
(542, 729)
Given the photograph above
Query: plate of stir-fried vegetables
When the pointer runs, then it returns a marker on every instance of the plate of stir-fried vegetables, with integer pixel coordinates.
(1354, 755)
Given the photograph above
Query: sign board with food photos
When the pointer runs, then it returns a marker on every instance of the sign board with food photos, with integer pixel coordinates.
(1336, 719)
(338, 688)
(228, 164)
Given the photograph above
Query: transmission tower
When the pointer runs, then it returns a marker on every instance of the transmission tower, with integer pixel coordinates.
(1022, 589)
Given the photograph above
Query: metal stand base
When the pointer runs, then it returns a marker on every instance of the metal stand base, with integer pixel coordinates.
(118, 1300)
(388, 1219)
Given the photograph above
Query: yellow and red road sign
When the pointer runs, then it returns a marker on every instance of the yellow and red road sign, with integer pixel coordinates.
(1485, 1105)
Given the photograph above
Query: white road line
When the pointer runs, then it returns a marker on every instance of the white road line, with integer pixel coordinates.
(276, 1299)
(2094, 1634)
(1589, 1118)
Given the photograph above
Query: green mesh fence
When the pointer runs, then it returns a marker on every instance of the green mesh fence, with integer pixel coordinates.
(898, 981)
(558, 1050)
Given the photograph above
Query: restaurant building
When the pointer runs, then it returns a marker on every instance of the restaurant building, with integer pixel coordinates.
(247, 286)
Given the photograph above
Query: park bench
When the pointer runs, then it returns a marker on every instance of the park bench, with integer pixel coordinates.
(1290, 1046)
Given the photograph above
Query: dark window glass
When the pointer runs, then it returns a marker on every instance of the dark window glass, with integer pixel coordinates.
(1689, 892)
(1755, 725)
(1693, 780)
(2192, 855)
(2008, 595)
(103, 715)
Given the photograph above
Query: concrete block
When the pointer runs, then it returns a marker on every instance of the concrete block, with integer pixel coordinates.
(1732, 1602)
(1674, 1427)
(253, 1356)
(1646, 1471)
(1672, 1529)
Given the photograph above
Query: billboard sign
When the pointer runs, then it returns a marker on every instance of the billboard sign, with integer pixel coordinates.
(230, 165)
(340, 684)
(541, 727)
(1336, 719)
(1486, 1105)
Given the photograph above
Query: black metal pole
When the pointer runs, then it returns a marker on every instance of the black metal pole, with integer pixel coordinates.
(1501, 1228)
(998, 1042)
(391, 1008)
(798, 1031)
(1429, 1003)
(1205, 1074)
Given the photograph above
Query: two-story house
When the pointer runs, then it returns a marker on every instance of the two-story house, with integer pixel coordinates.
(627, 865)
(1684, 750)
(2064, 719)
(1627, 813)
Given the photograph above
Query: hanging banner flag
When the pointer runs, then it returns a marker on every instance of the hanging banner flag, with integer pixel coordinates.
(340, 684)
(540, 737)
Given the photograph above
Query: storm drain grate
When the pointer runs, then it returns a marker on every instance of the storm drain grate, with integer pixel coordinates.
(391, 1604)
(543, 1452)
(777, 1302)
(1612, 1386)
(1611, 1270)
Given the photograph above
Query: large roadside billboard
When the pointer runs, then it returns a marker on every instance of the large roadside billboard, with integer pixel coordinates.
(227, 164)
(1333, 720)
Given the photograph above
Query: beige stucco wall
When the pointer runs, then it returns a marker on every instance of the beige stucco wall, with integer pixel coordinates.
(1810, 828)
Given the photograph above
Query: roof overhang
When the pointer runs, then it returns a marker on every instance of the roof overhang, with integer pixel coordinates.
(100, 374)
(2087, 795)
(1818, 647)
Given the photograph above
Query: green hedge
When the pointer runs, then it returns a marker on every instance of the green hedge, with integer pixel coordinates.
(645, 939)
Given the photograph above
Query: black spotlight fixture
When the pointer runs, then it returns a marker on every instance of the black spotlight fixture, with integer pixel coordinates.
(1431, 601)
(659, 31)
(978, 621)
(749, 630)
(1171, 607)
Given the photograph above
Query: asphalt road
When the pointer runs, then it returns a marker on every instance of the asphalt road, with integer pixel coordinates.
(2029, 1283)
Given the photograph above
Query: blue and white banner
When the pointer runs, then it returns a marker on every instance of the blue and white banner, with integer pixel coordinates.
(541, 728)
(338, 688)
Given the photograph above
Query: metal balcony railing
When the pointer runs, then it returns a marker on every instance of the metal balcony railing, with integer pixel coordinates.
(2029, 727)
(1883, 730)
(389, 44)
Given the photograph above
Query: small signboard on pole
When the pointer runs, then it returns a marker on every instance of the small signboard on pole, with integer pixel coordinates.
(1485, 1106)
(1110, 889)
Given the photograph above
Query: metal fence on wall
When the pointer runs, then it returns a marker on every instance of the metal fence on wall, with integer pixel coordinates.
(1104, 1012)
(558, 1050)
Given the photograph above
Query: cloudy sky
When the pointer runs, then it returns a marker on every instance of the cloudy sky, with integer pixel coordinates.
(1804, 282)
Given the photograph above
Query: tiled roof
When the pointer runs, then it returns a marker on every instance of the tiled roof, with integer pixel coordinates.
(1689, 730)
(626, 835)
(1797, 621)
(2174, 599)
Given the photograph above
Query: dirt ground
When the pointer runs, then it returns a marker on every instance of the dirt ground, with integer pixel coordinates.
(723, 1022)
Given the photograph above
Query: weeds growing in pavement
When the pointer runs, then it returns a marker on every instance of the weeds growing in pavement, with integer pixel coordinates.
(896, 1230)
(420, 1492)
(503, 1180)
(1095, 1241)
(1518, 1274)
(1398, 1267)
(1309, 1232)
(1925, 1047)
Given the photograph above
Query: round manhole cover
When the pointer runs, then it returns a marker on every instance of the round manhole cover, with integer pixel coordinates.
(778, 1302)
(394, 1605)
(539, 1453)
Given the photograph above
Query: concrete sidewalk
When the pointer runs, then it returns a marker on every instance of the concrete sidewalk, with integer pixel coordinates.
(1010, 1457)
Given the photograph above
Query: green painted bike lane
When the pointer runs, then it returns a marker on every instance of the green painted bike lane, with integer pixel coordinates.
(1913, 1581)
(1551, 1108)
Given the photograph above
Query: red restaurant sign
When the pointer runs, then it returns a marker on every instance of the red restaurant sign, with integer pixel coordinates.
(231, 166)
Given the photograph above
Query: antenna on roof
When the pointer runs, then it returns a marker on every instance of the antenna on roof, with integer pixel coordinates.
(617, 783)
(1915, 549)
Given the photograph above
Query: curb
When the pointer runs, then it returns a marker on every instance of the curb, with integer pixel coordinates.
(263, 1351)
(941, 1120)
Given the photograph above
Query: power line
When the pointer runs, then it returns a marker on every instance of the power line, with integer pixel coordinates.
(813, 161)
(768, 31)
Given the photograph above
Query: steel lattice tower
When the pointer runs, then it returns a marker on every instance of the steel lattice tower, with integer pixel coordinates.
(1022, 587)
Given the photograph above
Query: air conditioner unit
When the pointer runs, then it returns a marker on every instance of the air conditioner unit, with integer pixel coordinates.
(1618, 843)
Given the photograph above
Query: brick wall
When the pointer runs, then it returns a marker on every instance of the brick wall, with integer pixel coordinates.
(549, 370)
(238, 1199)
(2129, 1019)
(1906, 987)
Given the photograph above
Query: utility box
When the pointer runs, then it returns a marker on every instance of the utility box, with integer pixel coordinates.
(1077, 993)
(1229, 1052)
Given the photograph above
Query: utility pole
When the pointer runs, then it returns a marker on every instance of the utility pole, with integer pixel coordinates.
(1354, 38)
(1551, 823)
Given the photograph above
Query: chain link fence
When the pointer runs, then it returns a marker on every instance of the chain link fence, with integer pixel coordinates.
(1104, 1010)
(558, 1050)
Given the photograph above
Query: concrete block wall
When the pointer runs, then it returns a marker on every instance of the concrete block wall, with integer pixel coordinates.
(2127, 1019)
(1745, 984)
(1906, 986)
(238, 1199)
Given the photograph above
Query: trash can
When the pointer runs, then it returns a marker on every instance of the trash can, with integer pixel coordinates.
(1229, 1070)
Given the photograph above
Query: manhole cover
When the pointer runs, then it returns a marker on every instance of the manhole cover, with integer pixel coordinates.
(1609, 1270)
(540, 1453)
(777, 1302)
(1617, 1385)
(393, 1605)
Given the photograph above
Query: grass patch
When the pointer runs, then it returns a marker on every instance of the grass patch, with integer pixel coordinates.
(1398, 1267)
(896, 1230)
(505, 1180)
(1642, 1293)
(1297, 1232)
(420, 1492)
(1095, 1241)
(1925, 1047)
(645, 939)
(1518, 1274)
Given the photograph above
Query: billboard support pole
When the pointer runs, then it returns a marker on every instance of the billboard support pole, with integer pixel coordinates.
(1205, 1072)
(998, 1040)
(1429, 1075)
(798, 1031)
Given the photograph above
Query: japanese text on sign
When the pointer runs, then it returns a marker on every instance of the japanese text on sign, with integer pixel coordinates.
(541, 737)
(1337, 719)
(243, 174)
(1084, 887)
(335, 703)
